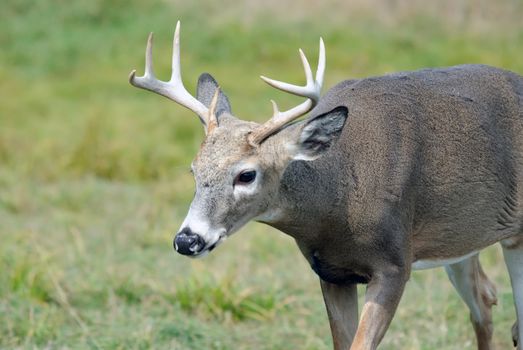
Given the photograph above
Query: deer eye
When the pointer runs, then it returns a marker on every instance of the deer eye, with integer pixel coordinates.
(245, 177)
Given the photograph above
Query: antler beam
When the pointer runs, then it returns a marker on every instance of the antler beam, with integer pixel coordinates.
(311, 90)
(174, 88)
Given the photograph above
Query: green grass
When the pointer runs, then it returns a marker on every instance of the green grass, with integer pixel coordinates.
(94, 176)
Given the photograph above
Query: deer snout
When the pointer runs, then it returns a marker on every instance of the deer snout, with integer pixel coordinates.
(187, 242)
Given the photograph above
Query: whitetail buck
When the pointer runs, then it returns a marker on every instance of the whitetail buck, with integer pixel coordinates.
(388, 174)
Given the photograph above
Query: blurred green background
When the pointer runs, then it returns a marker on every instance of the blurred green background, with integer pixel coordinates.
(94, 174)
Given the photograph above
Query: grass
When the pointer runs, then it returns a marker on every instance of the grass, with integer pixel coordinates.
(94, 174)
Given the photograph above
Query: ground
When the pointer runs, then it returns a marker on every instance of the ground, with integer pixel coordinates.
(95, 181)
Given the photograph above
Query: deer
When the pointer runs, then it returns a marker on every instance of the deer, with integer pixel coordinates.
(385, 175)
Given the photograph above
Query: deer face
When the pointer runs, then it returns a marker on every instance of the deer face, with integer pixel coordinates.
(230, 176)
(236, 181)
(238, 168)
(233, 185)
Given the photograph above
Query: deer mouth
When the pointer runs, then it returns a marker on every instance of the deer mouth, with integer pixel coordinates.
(210, 247)
(220, 240)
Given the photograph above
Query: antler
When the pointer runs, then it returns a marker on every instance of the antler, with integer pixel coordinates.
(173, 89)
(311, 90)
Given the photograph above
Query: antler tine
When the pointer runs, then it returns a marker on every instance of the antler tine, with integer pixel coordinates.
(311, 90)
(149, 71)
(313, 86)
(295, 89)
(176, 74)
(320, 72)
(174, 88)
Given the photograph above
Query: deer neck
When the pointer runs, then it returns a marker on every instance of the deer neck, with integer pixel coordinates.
(309, 202)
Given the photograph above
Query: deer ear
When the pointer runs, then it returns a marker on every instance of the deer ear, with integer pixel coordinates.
(320, 133)
(207, 86)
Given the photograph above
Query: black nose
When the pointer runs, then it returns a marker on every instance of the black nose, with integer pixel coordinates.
(187, 242)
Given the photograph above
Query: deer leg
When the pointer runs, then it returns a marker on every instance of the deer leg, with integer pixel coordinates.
(381, 300)
(342, 308)
(513, 254)
(515, 338)
(479, 293)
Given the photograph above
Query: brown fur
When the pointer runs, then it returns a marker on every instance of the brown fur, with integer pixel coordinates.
(424, 165)
(387, 171)
(341, 303)
(428, 166)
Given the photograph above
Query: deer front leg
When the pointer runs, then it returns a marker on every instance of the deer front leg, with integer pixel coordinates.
(341, 302)
(381, 300)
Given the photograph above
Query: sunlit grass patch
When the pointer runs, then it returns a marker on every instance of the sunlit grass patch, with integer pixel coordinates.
(25, 276)
(224, 299)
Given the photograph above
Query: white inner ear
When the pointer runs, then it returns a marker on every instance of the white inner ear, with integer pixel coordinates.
(296, 152)
(306, 157)
(307, 131)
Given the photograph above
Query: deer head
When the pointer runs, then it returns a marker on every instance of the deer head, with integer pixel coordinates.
(239, 166)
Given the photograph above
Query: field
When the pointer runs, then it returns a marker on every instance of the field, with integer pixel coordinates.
(94, 174)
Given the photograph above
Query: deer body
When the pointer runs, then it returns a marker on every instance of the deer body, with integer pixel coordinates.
(435, 155)
(427, 168)
(412, 169)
